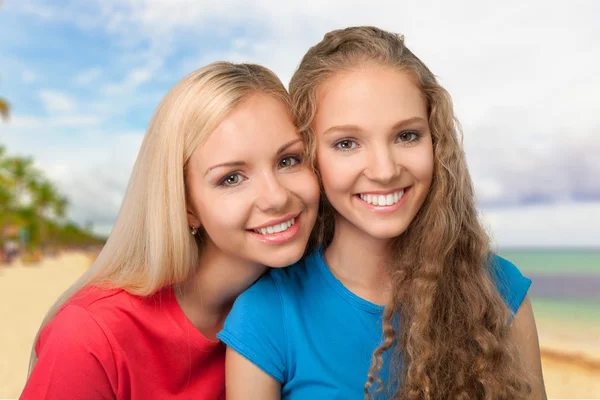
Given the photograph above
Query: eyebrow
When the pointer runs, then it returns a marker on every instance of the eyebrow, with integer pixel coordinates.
(355, 128)
(288, 145)
(242, 163)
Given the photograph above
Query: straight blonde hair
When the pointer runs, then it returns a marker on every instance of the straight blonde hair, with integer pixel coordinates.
(150, 246)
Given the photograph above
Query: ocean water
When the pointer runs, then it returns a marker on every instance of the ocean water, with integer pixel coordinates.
(565, 282)
(564, 262)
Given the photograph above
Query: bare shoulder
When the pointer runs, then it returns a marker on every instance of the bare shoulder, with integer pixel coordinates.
(523, 332)
(244, 380)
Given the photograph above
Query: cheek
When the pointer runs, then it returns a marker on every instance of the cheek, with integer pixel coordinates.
(427, 165)
(312, 189)
(305, 185)
(337, 171)
(223, 213)
(420, 164)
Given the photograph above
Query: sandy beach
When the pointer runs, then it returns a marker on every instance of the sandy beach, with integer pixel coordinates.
(26, 293)
(571, 359)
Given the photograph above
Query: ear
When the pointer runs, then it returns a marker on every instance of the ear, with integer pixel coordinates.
(193, 220)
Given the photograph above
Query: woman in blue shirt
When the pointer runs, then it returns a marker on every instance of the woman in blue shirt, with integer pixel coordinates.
(403, 298)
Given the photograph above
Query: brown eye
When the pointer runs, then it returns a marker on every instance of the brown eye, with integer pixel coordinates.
(346, 144)
(408, 136)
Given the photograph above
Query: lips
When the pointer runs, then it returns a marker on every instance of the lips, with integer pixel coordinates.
(279, 232)
(382, 199)
(276, 228)
(384, 202)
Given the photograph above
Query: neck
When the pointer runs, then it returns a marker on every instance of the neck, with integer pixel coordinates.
(207, 297)
(358, 261)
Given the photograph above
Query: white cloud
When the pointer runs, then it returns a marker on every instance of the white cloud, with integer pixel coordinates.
(25, 122)
(76, 120)
(91, 169)
(28, 76)
(511, 163)
(97, 190)
(20, 122)
(555, 225)
(38, 10)
(88, 76)
(522, 74)
(57, 102)
(73, 12)
(142, 73)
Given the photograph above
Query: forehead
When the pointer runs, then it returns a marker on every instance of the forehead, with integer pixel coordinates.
(367, 95)
(259, 125)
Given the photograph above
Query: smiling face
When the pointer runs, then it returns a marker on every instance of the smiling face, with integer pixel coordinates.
(249, 187)
(374, 150)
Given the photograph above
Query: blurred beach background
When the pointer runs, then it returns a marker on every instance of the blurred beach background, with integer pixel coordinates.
(79, 82)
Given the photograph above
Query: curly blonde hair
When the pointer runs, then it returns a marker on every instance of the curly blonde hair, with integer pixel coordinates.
(452, 342)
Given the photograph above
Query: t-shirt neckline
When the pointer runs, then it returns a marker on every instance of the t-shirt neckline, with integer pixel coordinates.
(188, 328)
(338, 286)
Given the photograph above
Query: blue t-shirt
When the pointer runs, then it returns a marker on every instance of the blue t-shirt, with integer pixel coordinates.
(304, 328)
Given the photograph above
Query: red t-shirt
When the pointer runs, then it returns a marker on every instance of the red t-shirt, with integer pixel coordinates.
(109, 344)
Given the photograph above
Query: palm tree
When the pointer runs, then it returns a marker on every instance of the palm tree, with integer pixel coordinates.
(6, 200)
(28, 200)
(4, 109)
(59, 208)
(44, 198)
(4, 106)
(22, 176)
(6, 195)
(4, 181)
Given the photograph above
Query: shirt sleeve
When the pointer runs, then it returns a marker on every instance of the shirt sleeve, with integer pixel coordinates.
(511, 283)
(255, 328)
(75, 360)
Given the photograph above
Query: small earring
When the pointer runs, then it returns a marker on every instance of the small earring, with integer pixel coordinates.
(193, 230)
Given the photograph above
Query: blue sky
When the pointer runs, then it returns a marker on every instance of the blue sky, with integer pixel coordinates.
(84, 78)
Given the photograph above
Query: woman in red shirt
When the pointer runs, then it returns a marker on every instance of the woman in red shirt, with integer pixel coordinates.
(218, 192)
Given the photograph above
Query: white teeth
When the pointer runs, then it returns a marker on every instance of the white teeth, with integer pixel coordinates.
(383, 200)
(276, 228)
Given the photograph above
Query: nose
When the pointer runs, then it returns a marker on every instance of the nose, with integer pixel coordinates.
(273, 196)
(382, 166)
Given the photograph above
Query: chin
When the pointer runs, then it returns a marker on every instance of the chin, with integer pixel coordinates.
(385, 232)
(282, 258)
(385, 235)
